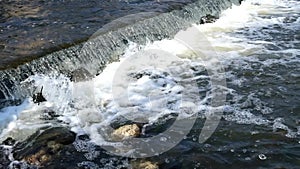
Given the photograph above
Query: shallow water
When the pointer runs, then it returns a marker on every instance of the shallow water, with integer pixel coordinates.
(259, 51)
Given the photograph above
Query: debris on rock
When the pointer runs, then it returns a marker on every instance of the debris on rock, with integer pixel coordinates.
(38, 97)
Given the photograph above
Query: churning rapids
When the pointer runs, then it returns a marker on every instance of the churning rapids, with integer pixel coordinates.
(258, 45)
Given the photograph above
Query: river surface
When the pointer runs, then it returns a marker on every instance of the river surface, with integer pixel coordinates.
(30, 29)
(257, 44)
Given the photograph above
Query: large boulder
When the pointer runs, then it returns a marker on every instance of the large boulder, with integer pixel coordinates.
(40, 148)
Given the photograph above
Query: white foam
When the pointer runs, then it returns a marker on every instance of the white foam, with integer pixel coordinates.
(10, 114)
(278, 123)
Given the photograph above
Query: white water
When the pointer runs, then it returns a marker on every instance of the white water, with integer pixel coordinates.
(99, 110)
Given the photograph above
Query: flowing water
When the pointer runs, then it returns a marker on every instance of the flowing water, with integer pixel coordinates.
(258, 46)
(139, 27)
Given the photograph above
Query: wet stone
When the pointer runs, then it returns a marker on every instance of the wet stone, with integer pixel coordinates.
(144, 165)
(80, 74)
(127, 131)
(49, 115)
(40, 148)
(208, 19)
(4, 161)
(152, 75)
(9, 141)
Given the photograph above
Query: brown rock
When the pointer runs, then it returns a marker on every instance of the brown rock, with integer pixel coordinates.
(144, 165)
(127, 131)
(38, 159)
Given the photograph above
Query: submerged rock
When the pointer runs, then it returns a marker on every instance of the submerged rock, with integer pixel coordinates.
(80, 74)
(42, 147)
(144, 165)
(49, 115)
(127, 131)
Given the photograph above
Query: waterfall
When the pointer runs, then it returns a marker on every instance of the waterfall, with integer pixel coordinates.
(107, 45)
